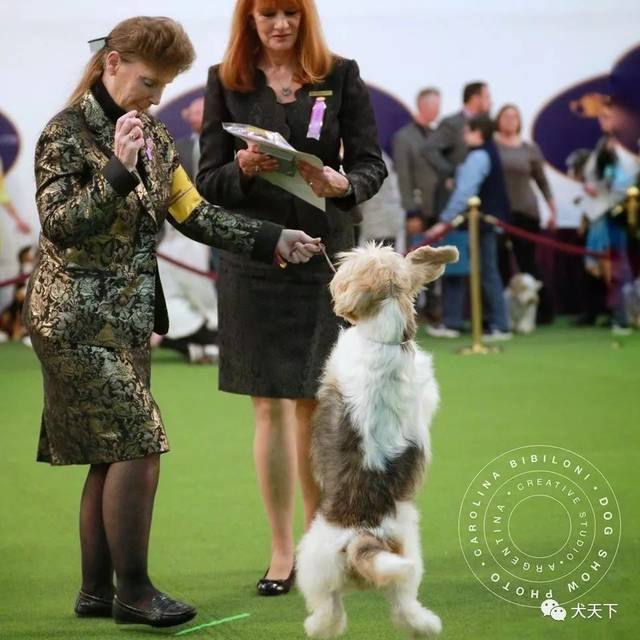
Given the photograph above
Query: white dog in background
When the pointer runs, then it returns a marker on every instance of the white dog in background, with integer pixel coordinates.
(631, 293)
(522, 301)
(371, 443)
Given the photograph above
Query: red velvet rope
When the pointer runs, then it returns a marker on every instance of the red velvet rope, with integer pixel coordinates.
(429, 239)
(17, 280)
(205, 274)
(527, 235)
(547, 242)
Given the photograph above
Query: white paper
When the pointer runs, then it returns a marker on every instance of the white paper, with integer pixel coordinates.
(287, 176)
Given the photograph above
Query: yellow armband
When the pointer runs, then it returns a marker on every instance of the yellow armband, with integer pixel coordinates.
(184, 196)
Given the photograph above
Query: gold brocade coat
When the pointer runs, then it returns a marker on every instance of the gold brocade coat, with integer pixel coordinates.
(95, 294)
(95, 282)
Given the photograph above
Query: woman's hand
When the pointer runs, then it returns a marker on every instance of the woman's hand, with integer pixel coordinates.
(252, 161)
(22, 225)
(590, 189)
(129, 139)
(435, 232)
(325, 182)
(296, 246)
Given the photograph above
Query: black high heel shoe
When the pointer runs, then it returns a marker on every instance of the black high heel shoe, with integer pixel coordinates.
(88, 606)
(276, 587)
(163, 612)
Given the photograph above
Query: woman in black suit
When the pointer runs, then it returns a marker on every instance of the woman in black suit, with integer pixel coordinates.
(277, 325)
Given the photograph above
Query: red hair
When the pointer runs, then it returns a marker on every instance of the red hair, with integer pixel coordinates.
(240, 61)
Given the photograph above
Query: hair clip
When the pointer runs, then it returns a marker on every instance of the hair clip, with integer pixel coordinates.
(97, 44)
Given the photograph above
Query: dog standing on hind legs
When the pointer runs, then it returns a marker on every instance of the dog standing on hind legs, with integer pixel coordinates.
(371, 443)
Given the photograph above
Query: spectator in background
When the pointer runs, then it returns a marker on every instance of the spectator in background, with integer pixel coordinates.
(417, 179)
(9, 265)
(418, 184)
(11, 324)
(610, 170)
(192, 301)
(445, 149)
(480, 174)
(383, 217)
(593, 291)
(189, 146)
(522, 163)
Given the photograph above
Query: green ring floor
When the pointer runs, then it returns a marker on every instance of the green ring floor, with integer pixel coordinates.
(573, 388)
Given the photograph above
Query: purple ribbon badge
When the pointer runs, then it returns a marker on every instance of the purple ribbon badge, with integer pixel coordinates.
(149, 149)
(317, 117)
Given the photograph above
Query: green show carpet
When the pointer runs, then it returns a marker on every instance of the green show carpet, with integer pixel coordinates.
(571, 388)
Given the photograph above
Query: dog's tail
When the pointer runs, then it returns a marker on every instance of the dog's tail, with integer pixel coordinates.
(378, 562)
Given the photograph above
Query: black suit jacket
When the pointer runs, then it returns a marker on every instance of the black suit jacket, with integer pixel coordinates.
(185, 150)
(445, 148)
(348, 117)
(417, 179)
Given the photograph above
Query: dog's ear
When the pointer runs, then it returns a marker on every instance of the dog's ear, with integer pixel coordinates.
(351, 302)
(427, 263)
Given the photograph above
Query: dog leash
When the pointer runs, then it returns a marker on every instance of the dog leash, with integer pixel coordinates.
(326, 257)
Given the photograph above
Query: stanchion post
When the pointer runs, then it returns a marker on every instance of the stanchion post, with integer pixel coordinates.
(475, 284)
(476, 291)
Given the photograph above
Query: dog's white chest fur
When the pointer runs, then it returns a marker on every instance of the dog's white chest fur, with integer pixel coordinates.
(389, 390)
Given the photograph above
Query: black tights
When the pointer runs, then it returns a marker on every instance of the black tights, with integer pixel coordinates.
(115, 520)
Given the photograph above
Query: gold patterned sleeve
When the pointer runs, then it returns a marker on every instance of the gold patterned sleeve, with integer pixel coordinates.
(217, 227)
(72, 202)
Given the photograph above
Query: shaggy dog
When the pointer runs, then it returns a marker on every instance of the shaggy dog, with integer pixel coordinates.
(522, 300)
(371, 442)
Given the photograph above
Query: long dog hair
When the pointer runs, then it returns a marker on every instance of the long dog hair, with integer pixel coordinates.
(370, 444)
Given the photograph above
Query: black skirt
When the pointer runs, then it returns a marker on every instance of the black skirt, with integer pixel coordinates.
(276, 326)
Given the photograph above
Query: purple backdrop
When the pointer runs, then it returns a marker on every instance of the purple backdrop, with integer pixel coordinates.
(9, 142)
(568, 121)
(390, 114)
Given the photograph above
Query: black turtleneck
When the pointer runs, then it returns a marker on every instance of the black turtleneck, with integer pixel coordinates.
(108, 104)
(120, 178)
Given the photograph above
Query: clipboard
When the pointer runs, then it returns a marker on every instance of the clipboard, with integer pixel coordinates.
(286, 176)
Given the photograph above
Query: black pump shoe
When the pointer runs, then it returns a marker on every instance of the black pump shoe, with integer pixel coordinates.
(163, 612)
(88, 606)
(276, 587)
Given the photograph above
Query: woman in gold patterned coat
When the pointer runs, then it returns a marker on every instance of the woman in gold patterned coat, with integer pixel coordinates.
(108, 175)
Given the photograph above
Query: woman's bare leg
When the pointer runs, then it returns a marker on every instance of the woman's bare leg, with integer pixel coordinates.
(274, 452)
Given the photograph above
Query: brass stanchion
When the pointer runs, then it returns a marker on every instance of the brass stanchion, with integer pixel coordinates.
(475, 285)
(633, 205)
(630, 206)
